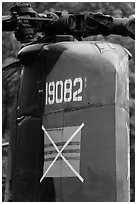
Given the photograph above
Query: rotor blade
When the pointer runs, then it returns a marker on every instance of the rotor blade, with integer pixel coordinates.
(11, 69)
(9, 74)
(12, 65)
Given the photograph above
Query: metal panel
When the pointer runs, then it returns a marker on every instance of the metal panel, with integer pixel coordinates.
(28, 161)
(97, 73)
(122, 155)
(102, 76)
(97, 160)
(31, 89)
(97, 157)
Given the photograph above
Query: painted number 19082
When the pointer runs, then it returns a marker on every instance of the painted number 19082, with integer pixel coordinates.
(64, 91)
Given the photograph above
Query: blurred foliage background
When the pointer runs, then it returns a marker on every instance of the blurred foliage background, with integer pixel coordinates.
(10, 48)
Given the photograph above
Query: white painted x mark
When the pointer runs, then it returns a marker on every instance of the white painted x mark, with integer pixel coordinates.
(60, 153)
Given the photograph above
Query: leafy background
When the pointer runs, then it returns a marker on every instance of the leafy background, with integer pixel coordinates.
(10, 48)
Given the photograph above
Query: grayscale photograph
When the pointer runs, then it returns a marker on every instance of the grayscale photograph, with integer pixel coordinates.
(68, 101)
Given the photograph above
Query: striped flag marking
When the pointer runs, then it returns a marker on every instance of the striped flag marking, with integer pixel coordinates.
(60, 153)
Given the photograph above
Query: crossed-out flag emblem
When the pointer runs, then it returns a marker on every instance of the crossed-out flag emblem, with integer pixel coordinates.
(59, 152)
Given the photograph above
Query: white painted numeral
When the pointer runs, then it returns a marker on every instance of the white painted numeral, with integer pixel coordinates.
(75, 94)
(46, 100)
(51, 93)
(67, 90)
(59, 91)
